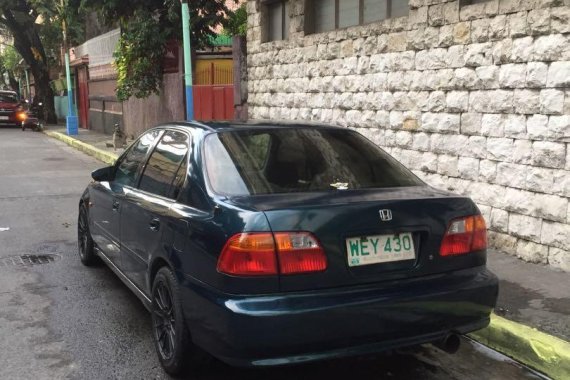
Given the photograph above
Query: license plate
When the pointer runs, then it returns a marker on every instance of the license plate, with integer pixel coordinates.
(4, 117)
(365, 250)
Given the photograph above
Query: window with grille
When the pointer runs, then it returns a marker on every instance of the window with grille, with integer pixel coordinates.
(325, 15)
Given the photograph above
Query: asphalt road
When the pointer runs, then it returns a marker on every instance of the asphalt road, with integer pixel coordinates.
(62, 320)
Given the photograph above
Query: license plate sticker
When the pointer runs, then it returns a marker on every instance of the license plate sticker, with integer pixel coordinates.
(365, 250)
(4, 117)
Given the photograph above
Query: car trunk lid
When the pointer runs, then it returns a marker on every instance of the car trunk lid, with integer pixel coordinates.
(348, 224)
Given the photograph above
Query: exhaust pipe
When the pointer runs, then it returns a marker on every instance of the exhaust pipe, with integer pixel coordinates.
(449, 344)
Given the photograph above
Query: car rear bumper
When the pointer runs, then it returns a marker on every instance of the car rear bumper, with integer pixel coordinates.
(298, 327)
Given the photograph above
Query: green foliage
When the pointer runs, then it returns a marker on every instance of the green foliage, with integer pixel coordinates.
(10, 59)
(237, 22)
(146, 26)
(139, 55)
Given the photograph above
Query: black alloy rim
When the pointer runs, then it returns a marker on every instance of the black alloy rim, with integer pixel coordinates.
(83, 232)
(164, 321)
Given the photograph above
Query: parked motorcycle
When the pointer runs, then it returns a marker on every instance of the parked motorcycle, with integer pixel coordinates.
(31, 118)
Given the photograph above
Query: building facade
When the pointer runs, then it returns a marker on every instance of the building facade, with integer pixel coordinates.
(473, 96)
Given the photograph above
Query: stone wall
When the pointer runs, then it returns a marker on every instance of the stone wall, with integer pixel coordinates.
(474, 99)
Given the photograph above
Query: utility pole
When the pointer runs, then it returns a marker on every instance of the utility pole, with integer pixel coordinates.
(187, 60)
(71, 120)
(28, 94)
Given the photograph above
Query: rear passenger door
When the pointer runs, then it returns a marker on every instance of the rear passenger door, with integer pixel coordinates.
(145, 208)
(106, 197)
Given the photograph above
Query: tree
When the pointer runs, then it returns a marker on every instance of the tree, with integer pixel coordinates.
(146, 27)
(35, 26)
(8, 63)
(237, 22)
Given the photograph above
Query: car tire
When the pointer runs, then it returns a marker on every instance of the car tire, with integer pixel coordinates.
(86, 247)
(176, 352)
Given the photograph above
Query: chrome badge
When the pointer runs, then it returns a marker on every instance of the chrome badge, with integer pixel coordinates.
(385, 215)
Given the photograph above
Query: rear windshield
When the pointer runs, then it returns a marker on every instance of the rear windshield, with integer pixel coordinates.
(284, 160)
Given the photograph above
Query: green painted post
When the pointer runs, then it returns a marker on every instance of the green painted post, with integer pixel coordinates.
(187, 61)
(28, 95)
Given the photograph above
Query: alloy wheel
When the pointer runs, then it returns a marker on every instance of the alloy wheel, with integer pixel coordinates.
(164, 320)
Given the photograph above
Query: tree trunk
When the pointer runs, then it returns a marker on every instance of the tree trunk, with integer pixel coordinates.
(27, 42)
(13, 83)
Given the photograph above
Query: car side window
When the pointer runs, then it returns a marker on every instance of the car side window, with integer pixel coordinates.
(164, 163)
(128, 167)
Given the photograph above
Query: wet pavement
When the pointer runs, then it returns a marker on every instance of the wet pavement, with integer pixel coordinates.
(62, 320)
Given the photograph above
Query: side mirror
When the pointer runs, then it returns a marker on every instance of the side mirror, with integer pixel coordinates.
(103, 174)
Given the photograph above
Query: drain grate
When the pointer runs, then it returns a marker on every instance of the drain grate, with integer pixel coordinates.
(28, 260)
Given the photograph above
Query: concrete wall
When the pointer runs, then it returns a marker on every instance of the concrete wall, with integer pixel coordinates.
(142, 114)
(474, 99)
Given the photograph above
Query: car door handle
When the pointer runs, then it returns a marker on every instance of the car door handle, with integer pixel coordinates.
(154, 224)
(116, 205)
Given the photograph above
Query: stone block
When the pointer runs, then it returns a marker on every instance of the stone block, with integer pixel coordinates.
(551, 47)
(537, 127)
(551, 101)
(559, 74)
(517, 23)
(556, 235)
(499, 149)
(540, 180)
(526, 227)
(499, 220)
(560, 20)
(536, 75)
(487, 171)
(436, 101)
(492, 124)
(468, 168)
(514, 126)
(494, 101)
(559, 258)
(471, 123)
(512, 175)
(498, 28)
(522, 152)
(522, 49)
(551, 207)
(512, 76)
(480, 30)
(559, 128)
(539, 21)
(488, 76)
(441, 122)
(532, 252)
(548, 154)
(526, 101)
(457, 101)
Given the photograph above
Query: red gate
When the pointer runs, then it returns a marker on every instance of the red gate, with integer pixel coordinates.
(213, 94)
(215, 102)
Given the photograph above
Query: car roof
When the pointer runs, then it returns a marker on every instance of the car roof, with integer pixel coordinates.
(252, 124)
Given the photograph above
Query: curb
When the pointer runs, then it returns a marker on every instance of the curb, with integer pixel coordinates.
(545, 353)
(101, 155)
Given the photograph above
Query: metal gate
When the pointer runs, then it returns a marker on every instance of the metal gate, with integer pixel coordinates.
(213, 92)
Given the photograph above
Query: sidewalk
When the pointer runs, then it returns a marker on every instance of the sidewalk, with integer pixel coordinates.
(532, 318)
(90, 142)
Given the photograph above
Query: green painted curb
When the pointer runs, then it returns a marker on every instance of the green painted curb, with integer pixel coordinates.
(545, 353)
(101, 155)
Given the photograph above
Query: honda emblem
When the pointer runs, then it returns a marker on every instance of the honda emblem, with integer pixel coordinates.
(385, 215)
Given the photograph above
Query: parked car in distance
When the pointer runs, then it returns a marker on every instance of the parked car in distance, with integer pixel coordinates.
(267, 244)
(11, 111)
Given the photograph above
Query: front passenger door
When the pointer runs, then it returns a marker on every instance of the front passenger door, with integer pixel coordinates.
(146, 208)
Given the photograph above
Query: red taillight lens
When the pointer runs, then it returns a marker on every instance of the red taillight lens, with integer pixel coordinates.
(249, 254)
(256, 254)
(464, 235)
(299, 252)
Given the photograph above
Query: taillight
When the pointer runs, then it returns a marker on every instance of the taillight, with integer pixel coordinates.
(464, 235)
(249, 254)
(299, 252)
(257, 254)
